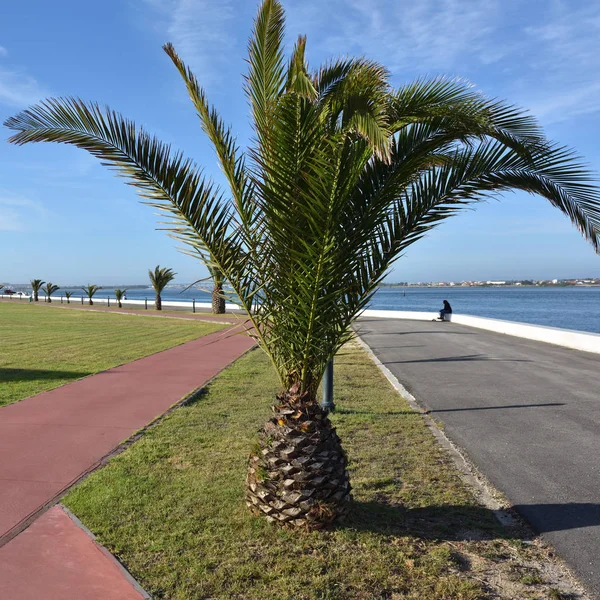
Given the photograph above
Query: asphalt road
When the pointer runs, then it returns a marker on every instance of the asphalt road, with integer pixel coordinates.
(527, 413)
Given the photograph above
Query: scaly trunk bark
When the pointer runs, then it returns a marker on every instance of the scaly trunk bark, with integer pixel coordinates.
(158, 302)
(297, 475)
(218, 301)
(35, 297)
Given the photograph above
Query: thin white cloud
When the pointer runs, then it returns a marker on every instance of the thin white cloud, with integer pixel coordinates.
(565, 58)
(564, 105)
(19, 89)
(3, 51)
(20, 214)
(202, 32)
(428, 35)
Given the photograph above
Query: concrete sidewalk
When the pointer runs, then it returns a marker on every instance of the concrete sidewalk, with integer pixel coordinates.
(527, 413)
(49, 441)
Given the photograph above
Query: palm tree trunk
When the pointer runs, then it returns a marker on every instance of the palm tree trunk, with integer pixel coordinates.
(35, 296)
(297, 474)
(218, 300)
(158, 302)
(120, 305)
(91, 301)
(49, 299)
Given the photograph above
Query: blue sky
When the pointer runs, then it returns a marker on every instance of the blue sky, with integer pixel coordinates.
(65, 218)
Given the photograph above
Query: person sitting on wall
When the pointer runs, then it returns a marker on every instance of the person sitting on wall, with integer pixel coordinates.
(447, 310)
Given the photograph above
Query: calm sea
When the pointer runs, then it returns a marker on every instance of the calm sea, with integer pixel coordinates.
(569, 307)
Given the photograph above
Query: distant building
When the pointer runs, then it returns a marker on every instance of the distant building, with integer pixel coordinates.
(496, 282)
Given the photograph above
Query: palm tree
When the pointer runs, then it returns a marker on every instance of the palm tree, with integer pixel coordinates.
(218, 296)
(342, 175)
(159, 278)
(49, 290)
(89, 291)
(68, 296)
(36, 285)
(119, 296)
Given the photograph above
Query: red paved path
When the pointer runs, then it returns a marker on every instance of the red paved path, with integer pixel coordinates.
(56, 560)
(48, 441)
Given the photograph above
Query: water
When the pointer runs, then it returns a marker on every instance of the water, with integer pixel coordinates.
(569, 307)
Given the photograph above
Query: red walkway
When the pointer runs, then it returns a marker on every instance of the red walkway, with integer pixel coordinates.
(54, 559)
(48, 441)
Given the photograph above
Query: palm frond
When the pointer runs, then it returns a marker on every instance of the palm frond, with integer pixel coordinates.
(267, 73)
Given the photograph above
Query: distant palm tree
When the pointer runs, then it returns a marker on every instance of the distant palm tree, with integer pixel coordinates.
(218, 298)
(342, 175)
(119, 296)
(90, 290)
(36, 285)
(49, 289)
(159, 278)
(1, 286)
(68, 296)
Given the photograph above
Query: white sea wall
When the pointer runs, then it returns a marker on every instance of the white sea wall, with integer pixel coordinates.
(577, 340)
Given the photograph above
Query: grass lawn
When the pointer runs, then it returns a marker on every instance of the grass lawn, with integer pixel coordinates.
(171, 507)
(44, 346)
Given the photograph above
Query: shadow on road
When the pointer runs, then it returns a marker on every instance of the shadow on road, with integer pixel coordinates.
(442, 410)
(362, 331)
(561, 517)
(458, 523)
(464, 358)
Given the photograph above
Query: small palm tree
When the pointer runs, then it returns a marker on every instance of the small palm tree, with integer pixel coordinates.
(218, 297)
(119, 296)
(159, 278)
(49, 289)
(68, 297)
(36, 285)
(89, 291)
(343, 174)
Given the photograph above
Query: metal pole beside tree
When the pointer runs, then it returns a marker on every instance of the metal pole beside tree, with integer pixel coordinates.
(327, 383)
